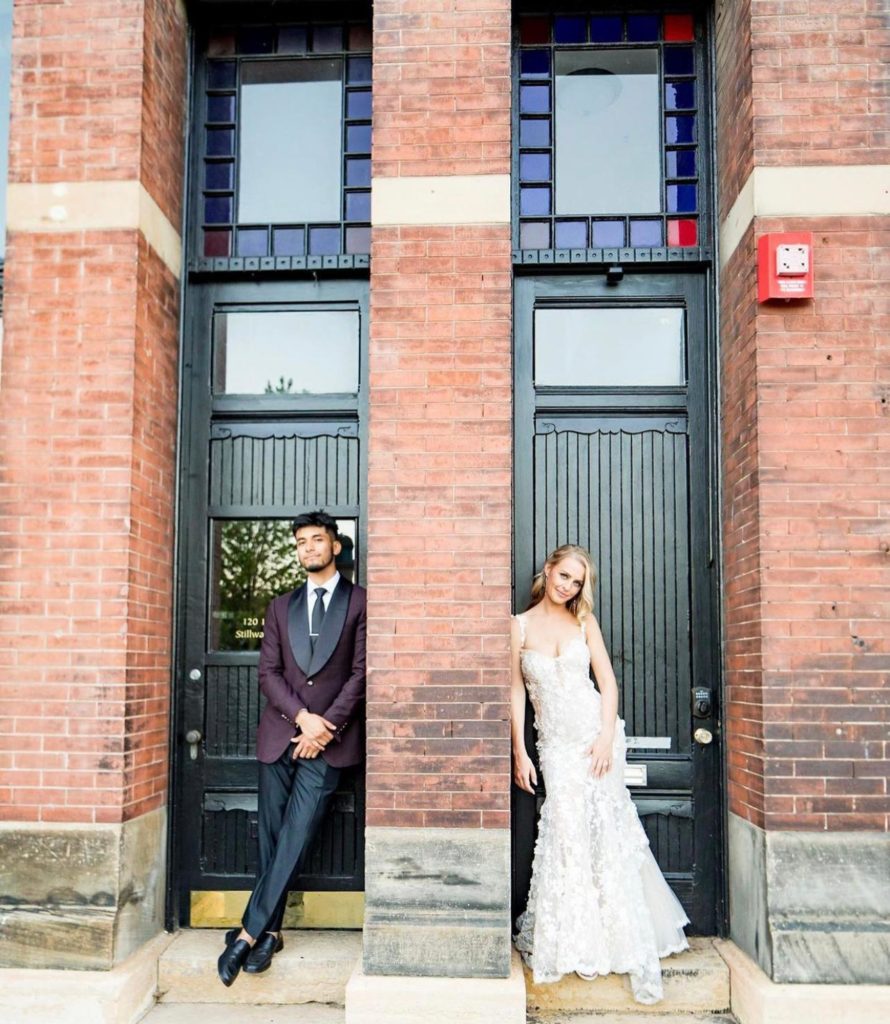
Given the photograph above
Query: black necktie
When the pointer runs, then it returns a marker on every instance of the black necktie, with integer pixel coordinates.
(317, 614)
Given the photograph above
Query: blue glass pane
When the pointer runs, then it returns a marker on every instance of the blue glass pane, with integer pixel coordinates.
(642, 28)
(680, 129)
(679, 60)
(534, 167)
(219, 176)
(571, 234)
(534, 201)
(324, 241)
(534, 133)
(220, 142)
(358, 104)
(221, 74)
(605, 30)
(646, 232)
(358, 172)
(534, 99)
(327, 39)
(358, 205)
(252, 242)
(681, 198)
(358, 70)
(679, 95)
(256, 40)
(358, 138)
(534, 62)
(220, 108)
(608, 234)
(534, 235)
(569, 30)
(218, 210)
(288, 241)
(680, 163)
(292, 39)
(358, 240)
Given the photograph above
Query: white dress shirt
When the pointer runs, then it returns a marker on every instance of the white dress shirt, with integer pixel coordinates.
(326, 597)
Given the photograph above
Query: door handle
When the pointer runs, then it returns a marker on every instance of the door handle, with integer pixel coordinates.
(193, 737)
(703, 736)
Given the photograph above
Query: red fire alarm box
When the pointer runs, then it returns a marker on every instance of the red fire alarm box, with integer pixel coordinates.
(785, 266)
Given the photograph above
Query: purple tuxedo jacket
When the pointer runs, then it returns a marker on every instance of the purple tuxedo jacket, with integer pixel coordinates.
(328, 681)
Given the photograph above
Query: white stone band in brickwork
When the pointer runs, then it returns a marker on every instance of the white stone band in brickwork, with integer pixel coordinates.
(94, 206)
(815, 191)
(441, 200)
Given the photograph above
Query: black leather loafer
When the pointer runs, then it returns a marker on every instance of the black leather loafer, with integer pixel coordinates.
(260, 958)
(232, 960)
(231, 935)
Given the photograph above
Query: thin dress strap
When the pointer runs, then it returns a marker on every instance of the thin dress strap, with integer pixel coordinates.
(521, 620)
(584, 629)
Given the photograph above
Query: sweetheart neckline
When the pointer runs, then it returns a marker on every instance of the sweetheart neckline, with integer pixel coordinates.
(553, 657)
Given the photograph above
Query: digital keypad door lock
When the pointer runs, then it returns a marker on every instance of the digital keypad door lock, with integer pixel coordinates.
(701, 702)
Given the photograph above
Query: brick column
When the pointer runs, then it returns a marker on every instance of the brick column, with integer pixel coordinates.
(803, 145)
(88, 421)
(439, 500)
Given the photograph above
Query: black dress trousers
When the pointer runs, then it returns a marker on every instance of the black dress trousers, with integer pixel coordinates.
(291, 803)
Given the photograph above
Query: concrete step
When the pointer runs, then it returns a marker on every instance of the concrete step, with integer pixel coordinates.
(228, 1013)
(221, 1013)
(631, 1018)
(313, 967)
(695, 982)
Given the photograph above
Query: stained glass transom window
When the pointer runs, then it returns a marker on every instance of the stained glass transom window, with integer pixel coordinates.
(286, 145)
(609, 126)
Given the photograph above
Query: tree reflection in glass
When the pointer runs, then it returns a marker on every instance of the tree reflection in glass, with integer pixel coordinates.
(254, 560)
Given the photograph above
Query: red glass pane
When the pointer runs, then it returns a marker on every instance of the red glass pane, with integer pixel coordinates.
(534, 30)
(682, 233)
(220, 44)
(359, 37)
(679, 28)
(217, 243)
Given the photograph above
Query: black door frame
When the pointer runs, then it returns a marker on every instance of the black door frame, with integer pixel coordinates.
(198, 409)
(693, 287)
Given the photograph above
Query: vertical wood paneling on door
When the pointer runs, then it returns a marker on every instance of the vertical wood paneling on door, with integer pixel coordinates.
(623, 495)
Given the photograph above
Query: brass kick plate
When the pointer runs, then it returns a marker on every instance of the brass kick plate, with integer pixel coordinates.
(217, 909)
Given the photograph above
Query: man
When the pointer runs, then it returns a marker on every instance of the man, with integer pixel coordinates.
(312, 673)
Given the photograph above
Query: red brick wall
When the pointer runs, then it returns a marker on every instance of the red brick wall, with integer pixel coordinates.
(87, 422)
(441, 87)
(735, 100)
(805, 428)
(76, 90)
(150, 541)
(439, 502)
(820, 81)
(823, 419)
(742, 608)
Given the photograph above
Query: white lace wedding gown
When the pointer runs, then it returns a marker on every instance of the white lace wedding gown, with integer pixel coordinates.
(598, 903)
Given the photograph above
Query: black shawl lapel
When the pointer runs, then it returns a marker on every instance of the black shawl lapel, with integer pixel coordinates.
(332, 626)
(298, 629)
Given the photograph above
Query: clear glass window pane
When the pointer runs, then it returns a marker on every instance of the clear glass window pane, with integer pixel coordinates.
(252, 561)
(609, 347)
(290, 352)
(291, 141)
(608, 150)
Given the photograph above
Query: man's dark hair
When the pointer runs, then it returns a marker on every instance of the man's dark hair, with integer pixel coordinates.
(317, 518)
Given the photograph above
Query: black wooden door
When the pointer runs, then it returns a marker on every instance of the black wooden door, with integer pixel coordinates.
(273, 413)
(613, 451)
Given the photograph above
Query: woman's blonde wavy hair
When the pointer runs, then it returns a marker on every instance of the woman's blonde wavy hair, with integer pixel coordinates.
(581, 604)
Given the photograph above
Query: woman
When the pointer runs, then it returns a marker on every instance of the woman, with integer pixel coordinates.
(597, 903)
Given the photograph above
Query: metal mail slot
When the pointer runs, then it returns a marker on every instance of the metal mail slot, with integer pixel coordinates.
(649, 742)
(635, 775)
